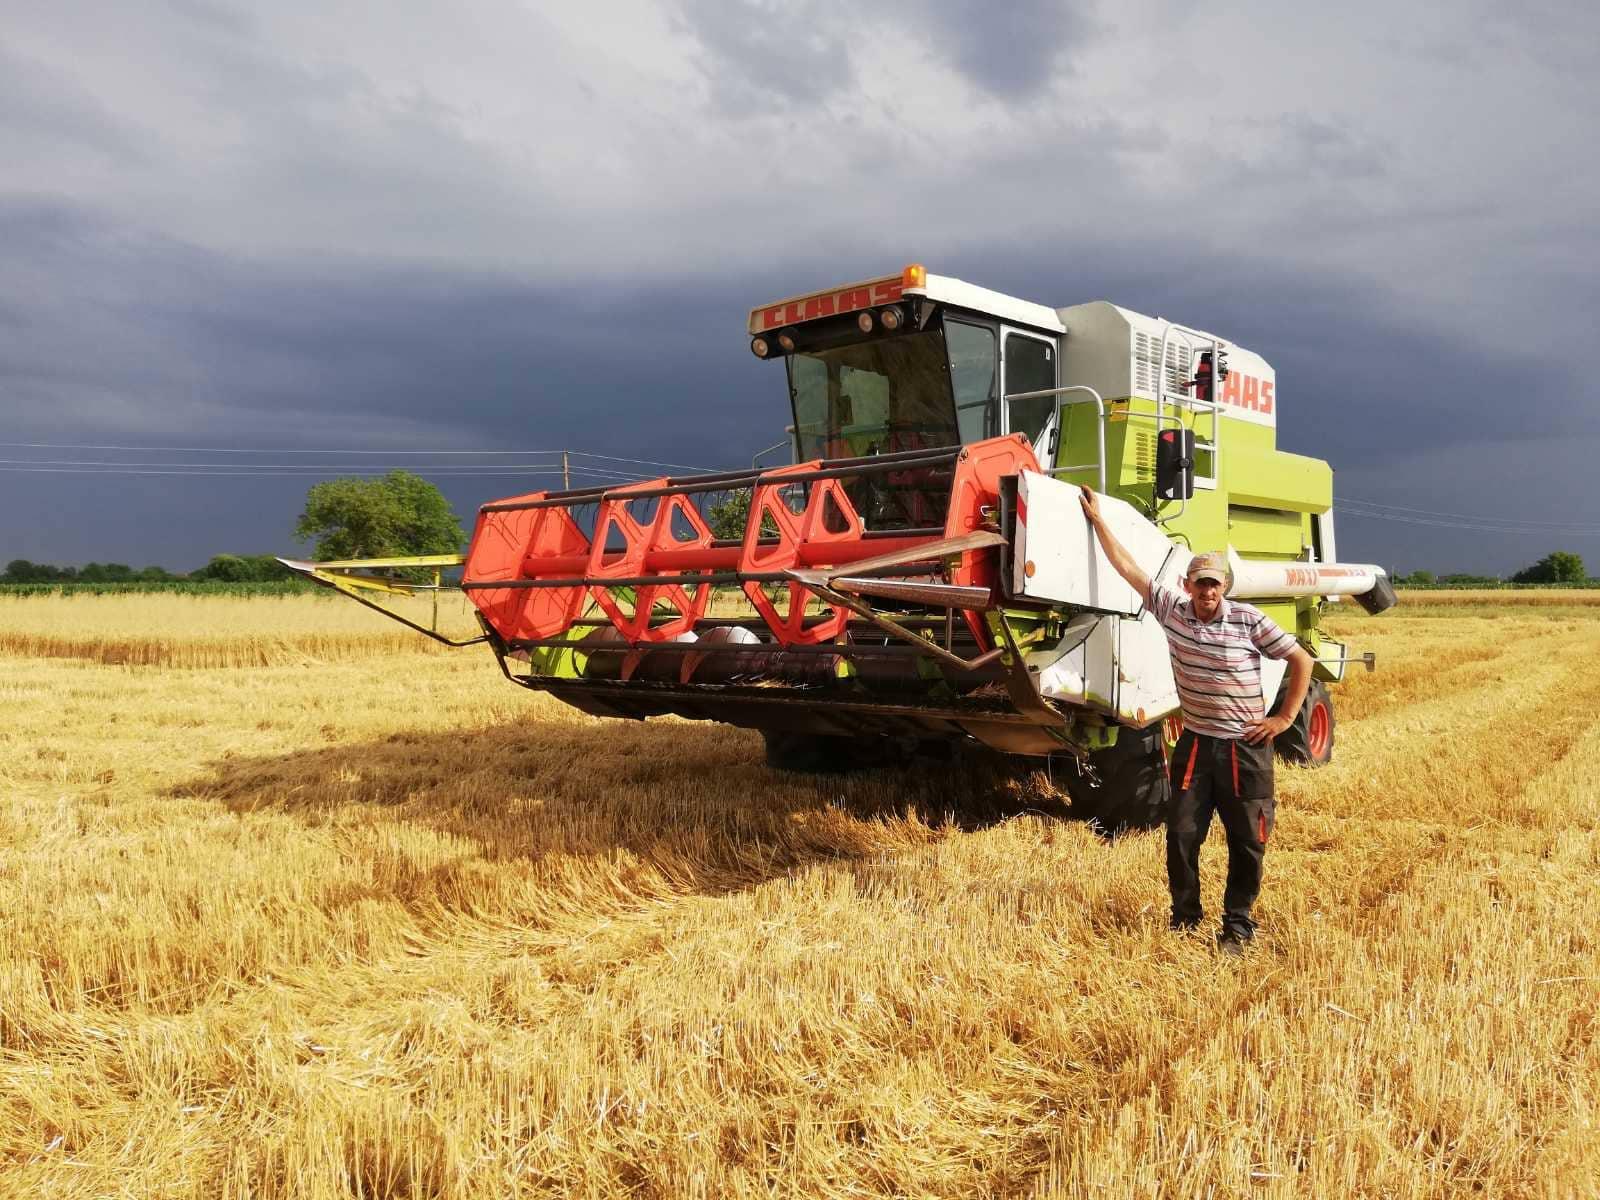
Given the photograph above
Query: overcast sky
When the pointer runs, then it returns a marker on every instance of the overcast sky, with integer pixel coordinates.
(421, 226)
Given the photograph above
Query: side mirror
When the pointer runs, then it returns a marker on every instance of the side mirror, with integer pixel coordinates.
(1175, 464)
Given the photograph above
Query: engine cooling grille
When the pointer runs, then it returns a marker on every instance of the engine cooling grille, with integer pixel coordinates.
(1146, 350)
(1144, 455)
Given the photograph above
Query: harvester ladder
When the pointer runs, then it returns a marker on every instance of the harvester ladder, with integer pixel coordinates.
(1197, 343)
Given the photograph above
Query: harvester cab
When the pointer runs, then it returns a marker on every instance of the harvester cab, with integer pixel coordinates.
(922, 570)
(912, 361)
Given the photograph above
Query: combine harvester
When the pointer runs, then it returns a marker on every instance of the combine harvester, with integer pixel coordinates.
(922, 573)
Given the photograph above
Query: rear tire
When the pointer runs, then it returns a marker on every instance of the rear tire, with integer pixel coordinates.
(1309, 741)
(1132, 792)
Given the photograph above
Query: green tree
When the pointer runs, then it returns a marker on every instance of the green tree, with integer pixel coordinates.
(223, 568)
(400, 514)
(728, 519)
(105, 573)
(242, 568)
(1559, 566)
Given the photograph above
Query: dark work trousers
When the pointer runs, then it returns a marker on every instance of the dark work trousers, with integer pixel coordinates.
(1234, 779)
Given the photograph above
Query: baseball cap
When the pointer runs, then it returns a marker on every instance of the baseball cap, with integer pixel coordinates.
(1213, 565)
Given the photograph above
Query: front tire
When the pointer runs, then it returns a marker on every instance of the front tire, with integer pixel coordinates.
(1309, 741)
(1132, 792)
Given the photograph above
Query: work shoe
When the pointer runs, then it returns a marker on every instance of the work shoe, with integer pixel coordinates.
(1230, 943)
(1178, 925)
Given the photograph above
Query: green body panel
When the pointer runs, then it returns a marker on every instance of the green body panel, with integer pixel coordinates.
(1261, 503)
(1265, 532)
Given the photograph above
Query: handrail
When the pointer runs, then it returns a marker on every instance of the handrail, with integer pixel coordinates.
(1099, 427)
(1217, 346)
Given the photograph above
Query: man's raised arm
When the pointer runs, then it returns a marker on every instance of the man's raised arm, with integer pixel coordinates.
(1119, 556)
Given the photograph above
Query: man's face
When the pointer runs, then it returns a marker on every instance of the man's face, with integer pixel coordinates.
(1206, 596)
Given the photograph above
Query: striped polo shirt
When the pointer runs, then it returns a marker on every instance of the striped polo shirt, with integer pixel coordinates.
(1217, 664)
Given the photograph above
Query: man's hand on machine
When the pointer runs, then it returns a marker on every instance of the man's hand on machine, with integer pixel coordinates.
(1091, 504)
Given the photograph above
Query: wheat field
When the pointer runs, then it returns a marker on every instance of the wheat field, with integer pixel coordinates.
(348, 916)
(168, 629)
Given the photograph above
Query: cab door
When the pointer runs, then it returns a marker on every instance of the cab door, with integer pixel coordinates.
(1029, 363)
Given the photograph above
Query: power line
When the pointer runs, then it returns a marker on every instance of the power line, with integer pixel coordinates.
(1479, 526)
(1351, 507)
(244, 450)
(78, 462)
(245, 472)
(647, 462)
(236, 474)
(1430, 512)
(1509, 524)
(643, 461)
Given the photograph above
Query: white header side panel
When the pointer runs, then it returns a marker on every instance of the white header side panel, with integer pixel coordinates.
(1057, 557)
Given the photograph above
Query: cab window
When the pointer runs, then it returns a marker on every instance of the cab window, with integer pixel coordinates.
(972, 373)
(1030, 367)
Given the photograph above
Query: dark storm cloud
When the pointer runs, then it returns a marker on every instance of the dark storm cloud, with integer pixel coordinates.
(51, 115)
(219, 17)
(1348, 364)
(148, 341)
(762, 56)
(287, 226)
(1554, 35)
(1010, 50)
(82, 330)
(144, 336)
(1303, 143)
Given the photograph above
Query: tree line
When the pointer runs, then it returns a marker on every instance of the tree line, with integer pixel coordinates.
(1559, 567)
(398, 514)
(223, 568)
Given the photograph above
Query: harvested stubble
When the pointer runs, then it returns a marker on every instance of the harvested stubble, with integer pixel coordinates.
(389, 928)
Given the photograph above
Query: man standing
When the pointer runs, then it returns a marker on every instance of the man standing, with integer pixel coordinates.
(1223, 760)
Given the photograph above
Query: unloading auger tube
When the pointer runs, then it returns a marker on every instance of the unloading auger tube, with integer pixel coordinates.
(892, 597)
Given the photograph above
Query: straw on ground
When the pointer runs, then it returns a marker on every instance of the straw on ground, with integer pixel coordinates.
(381, 925)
